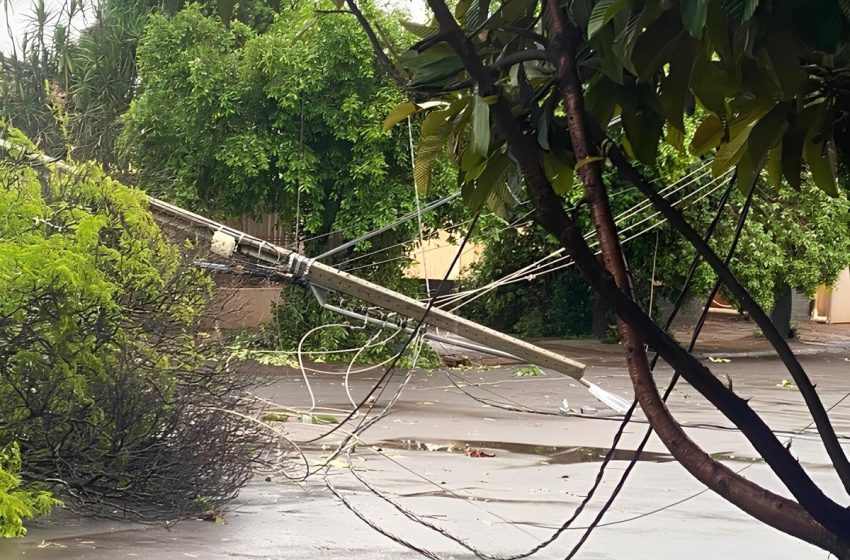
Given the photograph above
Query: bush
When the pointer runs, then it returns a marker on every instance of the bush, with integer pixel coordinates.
(18, 503)
(552, 305)
(107, 383)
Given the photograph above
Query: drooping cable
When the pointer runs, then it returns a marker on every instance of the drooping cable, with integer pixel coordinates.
(418, 209)
(390, 368)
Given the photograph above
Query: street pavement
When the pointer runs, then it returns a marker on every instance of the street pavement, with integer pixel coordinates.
(501, 505)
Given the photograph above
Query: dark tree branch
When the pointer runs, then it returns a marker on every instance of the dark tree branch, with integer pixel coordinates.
(771, 333)
(510, 59)
(774, 510)
(563, 38)
(383, 59)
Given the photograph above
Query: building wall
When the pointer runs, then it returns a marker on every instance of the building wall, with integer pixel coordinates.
(242, 308)
(438, 255)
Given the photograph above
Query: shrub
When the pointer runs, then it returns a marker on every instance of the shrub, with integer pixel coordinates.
(105, 379)
(18, 503)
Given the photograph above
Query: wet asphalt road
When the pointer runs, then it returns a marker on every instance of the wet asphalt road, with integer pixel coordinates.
(501, 505)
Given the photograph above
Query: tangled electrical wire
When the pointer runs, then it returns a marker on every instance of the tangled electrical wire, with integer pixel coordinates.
(352, 436)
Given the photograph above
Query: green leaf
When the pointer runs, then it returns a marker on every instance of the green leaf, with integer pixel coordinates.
(643, 128)
(433, 135)
(419, 29)
(784, 62)
(225, 10)
(601, 100)
(437, 65)
(653, 48)
(398, 114)
(792, 154)
(767, 134)
(602, 13)
(820, 157)
(739, 132)
(674, 87)
(739, 11)
(792, 144)
(477, 193)
(509, 12)
(406, 109)
(477, 13)
(561, 176)
(712, 83)
(693, 16)
(480, 141)
(589, 159)
(774, 166)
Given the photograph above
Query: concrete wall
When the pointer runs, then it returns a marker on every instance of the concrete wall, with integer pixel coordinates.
(839, 310)
(243, 308)
(438, 254)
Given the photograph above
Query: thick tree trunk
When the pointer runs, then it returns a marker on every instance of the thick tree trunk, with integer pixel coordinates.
(780, 315)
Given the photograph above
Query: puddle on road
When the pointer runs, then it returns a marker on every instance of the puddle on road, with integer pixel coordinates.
(550, 454)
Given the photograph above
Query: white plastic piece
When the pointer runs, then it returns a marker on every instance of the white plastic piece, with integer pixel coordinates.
(223, 244)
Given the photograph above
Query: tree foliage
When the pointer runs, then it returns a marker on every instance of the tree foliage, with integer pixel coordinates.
(284, 121)
(543, 90)
(105, 381)
(17, 502)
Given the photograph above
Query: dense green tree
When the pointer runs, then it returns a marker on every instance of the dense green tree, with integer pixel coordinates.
(286, 121)
(67, 91)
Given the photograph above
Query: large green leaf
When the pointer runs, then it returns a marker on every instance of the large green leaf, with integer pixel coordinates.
(774, 166)
(711, 83)
(739, 11)
(434, 66)
(739, 133)
(225, 10)
(406, 109)
(643, 127)
(602, 13)
(653, 48)
(765, 136)
(477, 13)
(674, 86)
(419, 29)
(480, 141)
(693, 16)
(601, 100)
(820, 157)
(803, 126)
(792, 154)
(781, 50)
(560, 175)
(476, 193)
(509, 12)
(435, 131)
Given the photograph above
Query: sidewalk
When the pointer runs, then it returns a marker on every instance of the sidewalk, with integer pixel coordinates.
(723, 337)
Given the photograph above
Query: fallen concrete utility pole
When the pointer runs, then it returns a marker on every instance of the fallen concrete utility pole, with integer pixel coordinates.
(226, 241)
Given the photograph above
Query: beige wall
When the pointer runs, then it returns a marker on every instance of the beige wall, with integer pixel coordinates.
(832, 305)
(438, 255)
(243, 308)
